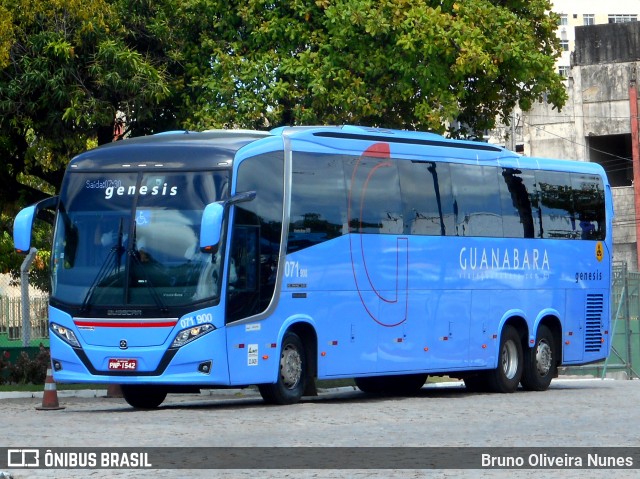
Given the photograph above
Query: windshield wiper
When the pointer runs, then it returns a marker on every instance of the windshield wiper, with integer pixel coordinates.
(115, 253)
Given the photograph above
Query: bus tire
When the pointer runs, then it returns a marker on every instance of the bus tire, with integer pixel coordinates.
(540, 362)
(506, 377)
(292, 379)
(143, 397)
(400, 385)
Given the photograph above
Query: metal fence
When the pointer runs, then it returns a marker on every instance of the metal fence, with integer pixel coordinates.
(11, 327)
(12, 312)
(624, 360)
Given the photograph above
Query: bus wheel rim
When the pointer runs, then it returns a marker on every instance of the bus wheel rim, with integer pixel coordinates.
(290, 367)
(543, 358)
(510, 359)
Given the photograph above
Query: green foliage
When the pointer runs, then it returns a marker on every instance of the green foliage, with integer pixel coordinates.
(10, 261)
(6, 35)
(25, 369)
(4, 366)
(69, 68)
(391, 63)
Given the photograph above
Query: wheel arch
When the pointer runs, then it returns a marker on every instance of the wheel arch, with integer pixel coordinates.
(516, 319)
(304, 328)
(550, 319)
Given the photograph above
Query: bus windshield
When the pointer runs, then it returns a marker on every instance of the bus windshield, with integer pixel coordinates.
(132, 239)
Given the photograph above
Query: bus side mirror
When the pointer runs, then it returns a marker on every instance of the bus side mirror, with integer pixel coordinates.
(211, 227)
(212, 217)
(23, 224)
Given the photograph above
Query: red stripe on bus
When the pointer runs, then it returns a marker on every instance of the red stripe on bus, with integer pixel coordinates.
(116, 324)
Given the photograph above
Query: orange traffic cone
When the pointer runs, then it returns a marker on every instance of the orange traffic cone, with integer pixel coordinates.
(50, 396)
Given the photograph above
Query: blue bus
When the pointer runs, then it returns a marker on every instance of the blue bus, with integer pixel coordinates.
(232, 258)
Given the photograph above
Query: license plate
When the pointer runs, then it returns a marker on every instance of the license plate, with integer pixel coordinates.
(117, 364)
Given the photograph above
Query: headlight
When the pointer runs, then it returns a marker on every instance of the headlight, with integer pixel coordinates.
(187, 335)
(65, 334)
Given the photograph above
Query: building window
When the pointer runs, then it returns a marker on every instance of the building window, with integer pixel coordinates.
(563, 70)
(564, 44)
(623, 18)
(564, 19)
(589, 19)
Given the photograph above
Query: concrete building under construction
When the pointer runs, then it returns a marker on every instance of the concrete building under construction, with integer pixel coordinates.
(599, 123)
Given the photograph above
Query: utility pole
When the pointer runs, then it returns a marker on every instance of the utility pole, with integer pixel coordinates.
(635, 153)
(24, 290)
(513, 130)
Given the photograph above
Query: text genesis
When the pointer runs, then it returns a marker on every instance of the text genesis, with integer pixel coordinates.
(162, 190)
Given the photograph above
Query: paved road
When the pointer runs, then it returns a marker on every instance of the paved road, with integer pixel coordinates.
(571, 413)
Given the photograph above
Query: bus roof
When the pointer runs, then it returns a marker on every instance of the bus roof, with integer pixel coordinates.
(426, 146)
(217, 148)
(389, 135)
(169, 150)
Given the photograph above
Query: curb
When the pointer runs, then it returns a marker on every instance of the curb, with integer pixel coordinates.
(86, 393)
(102, 393)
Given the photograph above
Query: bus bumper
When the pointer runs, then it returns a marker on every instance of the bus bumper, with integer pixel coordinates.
(203, 361)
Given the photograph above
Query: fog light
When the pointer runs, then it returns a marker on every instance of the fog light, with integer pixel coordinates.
(205, 368)
(56, 365)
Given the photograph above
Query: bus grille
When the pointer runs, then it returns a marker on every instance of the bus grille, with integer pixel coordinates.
(593, 334)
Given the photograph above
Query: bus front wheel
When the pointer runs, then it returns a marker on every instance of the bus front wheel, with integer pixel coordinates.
(506, 377)
(540, 362)
(291, 373)
(143, 397)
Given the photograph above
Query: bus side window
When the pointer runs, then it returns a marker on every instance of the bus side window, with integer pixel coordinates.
(476, 205)
(373, 188)
(426, 197)
(556, 202)
(244, 259)
(318, 200)
(255, 236)
(588, 194)
(517, 212)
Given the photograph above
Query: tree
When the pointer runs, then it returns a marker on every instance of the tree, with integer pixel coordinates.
(390, 63)
(67, 71)
(66, 67)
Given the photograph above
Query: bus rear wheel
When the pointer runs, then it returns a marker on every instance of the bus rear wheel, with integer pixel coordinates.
(401, 385)
(292, 378)
(540, 362)
(143, 397)
(506, 377)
